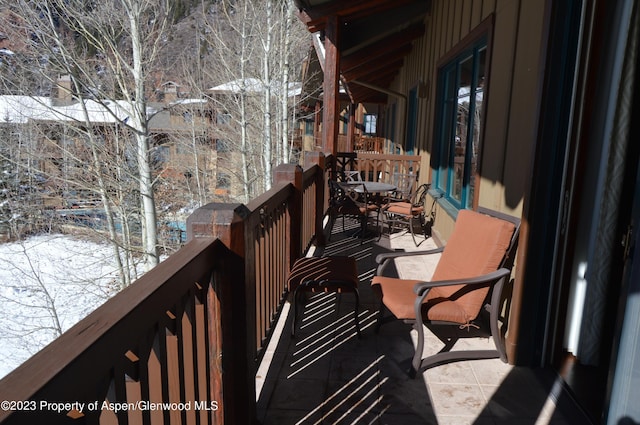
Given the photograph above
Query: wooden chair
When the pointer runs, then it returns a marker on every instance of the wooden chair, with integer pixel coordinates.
(466, 287)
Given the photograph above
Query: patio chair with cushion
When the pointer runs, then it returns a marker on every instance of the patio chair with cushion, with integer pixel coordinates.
(402, 214)
(352, 201)
(466, 287)
(405, 184)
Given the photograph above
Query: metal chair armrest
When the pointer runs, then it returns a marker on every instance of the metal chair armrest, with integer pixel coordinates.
(422, 288)
(380, 258)
(384, 259)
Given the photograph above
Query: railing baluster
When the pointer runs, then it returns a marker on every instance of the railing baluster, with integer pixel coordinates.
(153, 380)
(186, 356)
(201, 370)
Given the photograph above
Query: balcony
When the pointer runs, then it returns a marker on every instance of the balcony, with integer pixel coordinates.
(326, 375)
(200, 338)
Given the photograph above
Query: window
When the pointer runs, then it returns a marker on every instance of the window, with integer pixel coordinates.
(223, 181)
(223, 145)
(344, 127)
(308, 127)
(223, 118)
(370, 123)
(460, 102)
(160, 155)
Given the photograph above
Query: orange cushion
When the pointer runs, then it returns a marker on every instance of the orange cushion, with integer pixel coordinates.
(398, 296)
(405, 208)
(476, 246)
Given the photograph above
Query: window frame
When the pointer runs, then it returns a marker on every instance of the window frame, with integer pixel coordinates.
(476, 42)
(370, 122)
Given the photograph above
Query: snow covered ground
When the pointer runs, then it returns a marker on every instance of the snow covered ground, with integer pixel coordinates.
(47, 284)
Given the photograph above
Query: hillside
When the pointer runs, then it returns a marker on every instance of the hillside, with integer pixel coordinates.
(47, 284)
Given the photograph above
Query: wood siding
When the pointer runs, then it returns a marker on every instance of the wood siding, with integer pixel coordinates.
(515, 46)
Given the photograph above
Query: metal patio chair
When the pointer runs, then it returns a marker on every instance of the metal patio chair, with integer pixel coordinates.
(465, 295)
(403, 214)
(352, 201)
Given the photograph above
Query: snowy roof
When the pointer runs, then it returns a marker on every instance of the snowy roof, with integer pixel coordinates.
(193, 101)
(251, 85)
(22, 109)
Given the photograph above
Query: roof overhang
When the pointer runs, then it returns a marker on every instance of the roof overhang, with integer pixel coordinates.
(374, 38)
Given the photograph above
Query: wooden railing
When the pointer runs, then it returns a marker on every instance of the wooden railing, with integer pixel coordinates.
(369, 144)
(182, 344)
(361, 144)
(378, 167)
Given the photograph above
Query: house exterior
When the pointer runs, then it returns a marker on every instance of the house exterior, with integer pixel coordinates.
(522, 107)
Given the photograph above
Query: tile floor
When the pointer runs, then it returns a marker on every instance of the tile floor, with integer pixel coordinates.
(326, 375)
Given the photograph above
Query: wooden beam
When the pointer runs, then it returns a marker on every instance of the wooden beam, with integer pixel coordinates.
(316, 17)
(354, 8)
(364, 94)
(331, 86)
(381, 67)
(382, 47)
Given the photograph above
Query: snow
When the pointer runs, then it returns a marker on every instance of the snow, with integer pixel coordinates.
(22, 109)
(73, 276)
(253, 85)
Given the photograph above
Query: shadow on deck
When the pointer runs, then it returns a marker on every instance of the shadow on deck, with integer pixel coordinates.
(326, 375)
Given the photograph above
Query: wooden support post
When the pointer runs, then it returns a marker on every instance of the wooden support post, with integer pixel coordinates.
(331, 85)
(222, 221)
(317, 121)
(351, 127)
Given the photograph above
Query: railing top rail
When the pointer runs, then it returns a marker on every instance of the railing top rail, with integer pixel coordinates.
(278, 193)
(386, 156)
(309, 174)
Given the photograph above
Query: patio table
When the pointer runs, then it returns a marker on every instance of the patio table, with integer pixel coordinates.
(371, 187)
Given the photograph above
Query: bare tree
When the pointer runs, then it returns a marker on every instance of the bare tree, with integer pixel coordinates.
(252, 43)
(109, 49)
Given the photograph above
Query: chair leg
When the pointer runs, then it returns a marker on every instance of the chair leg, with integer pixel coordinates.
(295, 312)
(380, 228)
(379, 319)
(332, 222)
(413, 236)
(355, 313)
(417, 356)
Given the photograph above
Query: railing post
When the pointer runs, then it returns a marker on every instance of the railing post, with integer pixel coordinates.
(230, 313)
(291, 173)
(221, 221)
(319, 159)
